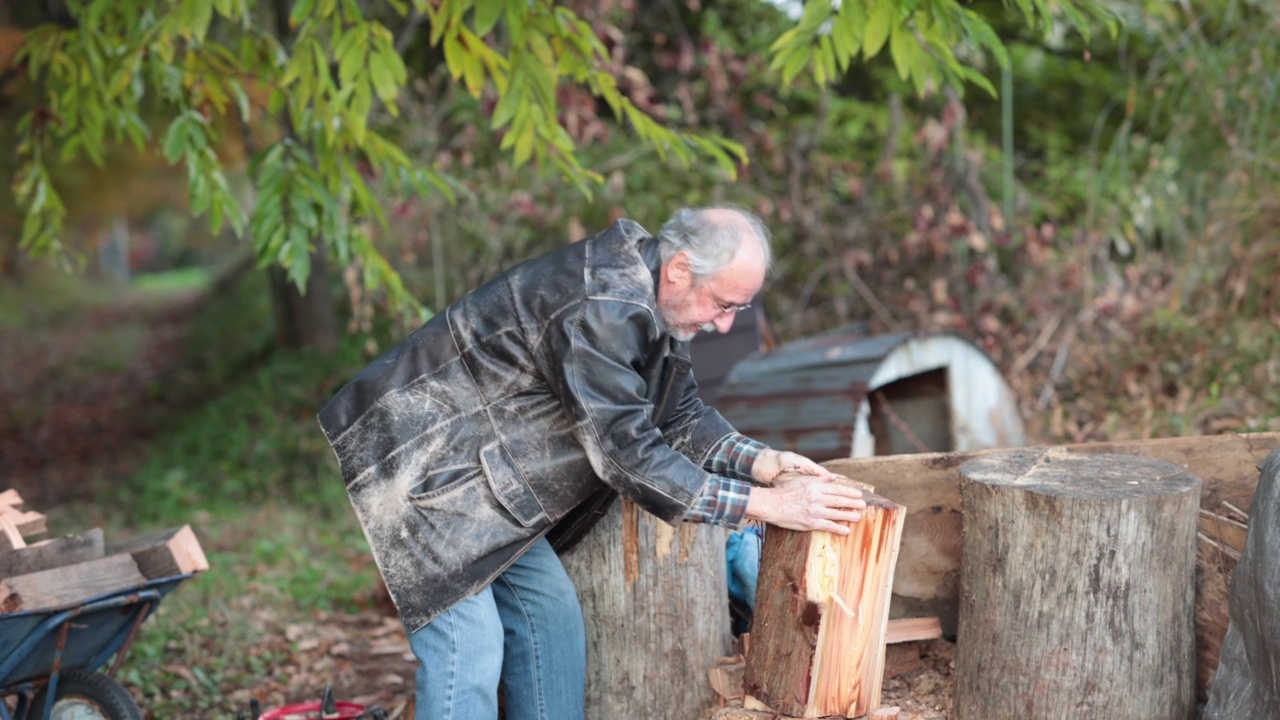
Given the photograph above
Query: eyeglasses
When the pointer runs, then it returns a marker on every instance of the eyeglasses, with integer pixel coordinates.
(728, 307)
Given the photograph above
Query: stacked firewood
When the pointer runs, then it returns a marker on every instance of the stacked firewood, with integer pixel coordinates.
(65, 572)
(1220, 542)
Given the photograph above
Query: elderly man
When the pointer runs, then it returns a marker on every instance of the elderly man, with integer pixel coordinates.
(501, 429)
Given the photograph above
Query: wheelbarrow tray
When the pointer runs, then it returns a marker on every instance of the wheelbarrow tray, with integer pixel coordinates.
(41, 643)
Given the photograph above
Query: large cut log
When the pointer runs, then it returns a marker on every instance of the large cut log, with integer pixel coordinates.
(69, 586)
(175, 551)
(655, 602)
(821, 616)
(52, 553)
(1078, 587)
(927, 582)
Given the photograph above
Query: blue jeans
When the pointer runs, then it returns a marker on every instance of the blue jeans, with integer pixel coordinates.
(524, 630)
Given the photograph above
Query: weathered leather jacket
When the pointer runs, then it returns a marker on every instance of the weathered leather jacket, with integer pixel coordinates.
(525, 405)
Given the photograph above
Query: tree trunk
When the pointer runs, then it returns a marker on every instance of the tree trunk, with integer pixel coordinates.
(1077, 589)
(304, 321)
(655, 602)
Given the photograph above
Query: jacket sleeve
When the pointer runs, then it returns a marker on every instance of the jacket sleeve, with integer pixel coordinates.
(593, 355)
(695, 429)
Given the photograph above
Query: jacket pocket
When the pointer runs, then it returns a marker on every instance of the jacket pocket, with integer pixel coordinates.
(443, 484)
(509, 486)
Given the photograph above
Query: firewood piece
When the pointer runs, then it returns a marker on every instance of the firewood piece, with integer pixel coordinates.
(1078, 586)
(10, 536)
(821, 615)
(911, 629)
(71, 585)
(52, 553)
(890, 712)
(1223, 529)
(726, 677)
(28, 523)
(175, 551)
(11, 498)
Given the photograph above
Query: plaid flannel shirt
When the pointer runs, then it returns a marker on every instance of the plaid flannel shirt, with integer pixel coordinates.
(724, 499)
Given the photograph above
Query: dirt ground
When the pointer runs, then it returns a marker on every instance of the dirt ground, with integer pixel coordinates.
(366, 659)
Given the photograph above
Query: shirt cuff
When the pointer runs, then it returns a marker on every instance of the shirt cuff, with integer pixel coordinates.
(723, 502)
(735, 455)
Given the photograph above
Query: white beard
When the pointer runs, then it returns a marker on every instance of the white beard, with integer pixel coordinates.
(687, 335)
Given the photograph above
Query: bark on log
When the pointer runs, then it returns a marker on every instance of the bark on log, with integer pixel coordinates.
(52, 553)
(71, 585)
(655, 602)
(1078, 587)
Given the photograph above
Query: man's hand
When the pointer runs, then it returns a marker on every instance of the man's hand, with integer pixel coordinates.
(772, 463)
(808, 503)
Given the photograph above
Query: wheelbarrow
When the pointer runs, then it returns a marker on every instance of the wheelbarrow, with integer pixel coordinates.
(50, 659)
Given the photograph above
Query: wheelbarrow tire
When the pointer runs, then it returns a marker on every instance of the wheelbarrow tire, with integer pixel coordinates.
(94, 691)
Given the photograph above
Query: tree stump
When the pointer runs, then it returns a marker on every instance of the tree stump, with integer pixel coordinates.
(655, 599)
(1077, 587)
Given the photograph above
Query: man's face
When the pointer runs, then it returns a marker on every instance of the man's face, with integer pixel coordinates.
(689, 305)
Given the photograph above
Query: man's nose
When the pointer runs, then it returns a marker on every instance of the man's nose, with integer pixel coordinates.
(724, 322)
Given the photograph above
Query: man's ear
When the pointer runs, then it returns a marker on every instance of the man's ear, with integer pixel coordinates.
(677, 269)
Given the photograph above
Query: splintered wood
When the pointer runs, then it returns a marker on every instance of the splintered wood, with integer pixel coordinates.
(821, 617)
(68, 571)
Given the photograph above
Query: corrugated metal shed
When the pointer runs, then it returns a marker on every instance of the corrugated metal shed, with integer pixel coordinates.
(847, 395)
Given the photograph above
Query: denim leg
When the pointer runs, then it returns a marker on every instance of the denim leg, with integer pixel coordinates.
(459, 662)
(545, 668)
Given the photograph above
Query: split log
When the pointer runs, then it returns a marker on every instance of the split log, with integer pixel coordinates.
(927, 582)
(29, 522)
(1078, 587)
(726, 677)
(52, 553)
(821, 616)
(10, 536)
(912, 629)
(69, 586)
(175, 551)
(655, 603)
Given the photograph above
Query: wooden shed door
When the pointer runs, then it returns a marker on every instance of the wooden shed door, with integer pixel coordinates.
(913, 415)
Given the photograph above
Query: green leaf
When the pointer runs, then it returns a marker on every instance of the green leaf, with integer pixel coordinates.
(453, 55)
(978, 79)
(487, 14)
(878, 26)
(176, 139)
(516, 13)
(795, 63)
(902, 49)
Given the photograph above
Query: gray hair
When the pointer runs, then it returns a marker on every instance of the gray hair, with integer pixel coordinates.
(711, 236)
